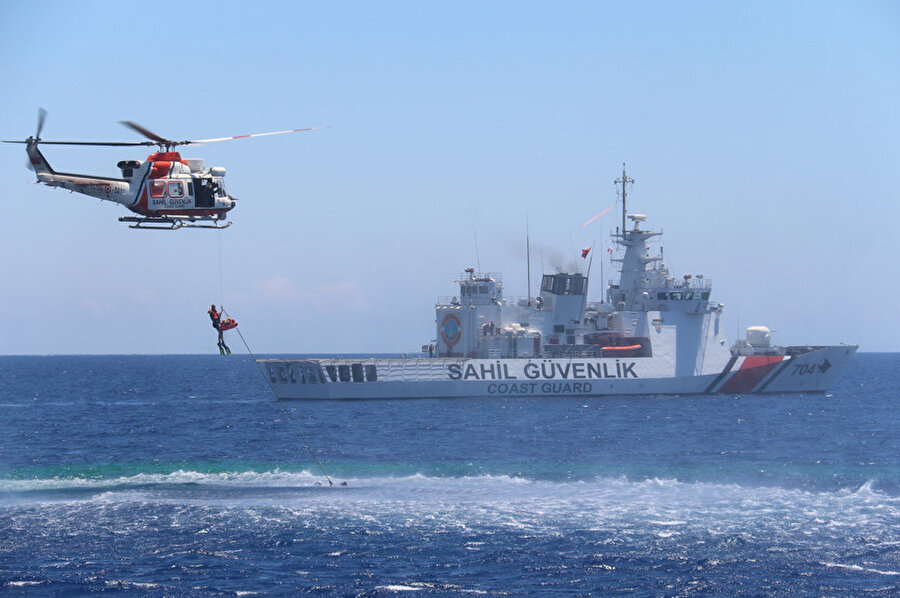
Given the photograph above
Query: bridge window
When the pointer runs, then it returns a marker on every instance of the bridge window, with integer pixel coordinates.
(564, 284)
(176, 189)
(344, 373)
(576, 286)
(675, 296)
(371, 373)
(661, 296)
(157, 188)
(357, 370)
(688, 296)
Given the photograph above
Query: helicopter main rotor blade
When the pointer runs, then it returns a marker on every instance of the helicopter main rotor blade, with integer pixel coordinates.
(109, 143)
(252, 135)
(154, 138)
(42, 117)
(150, 134)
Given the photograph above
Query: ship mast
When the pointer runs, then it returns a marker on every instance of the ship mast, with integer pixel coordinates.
(624, 181)
(528, 253)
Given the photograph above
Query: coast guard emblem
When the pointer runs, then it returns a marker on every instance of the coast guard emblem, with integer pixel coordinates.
(451, 329)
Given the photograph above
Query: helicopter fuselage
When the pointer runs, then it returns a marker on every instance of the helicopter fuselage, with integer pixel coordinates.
(166, 191)
(163, 186)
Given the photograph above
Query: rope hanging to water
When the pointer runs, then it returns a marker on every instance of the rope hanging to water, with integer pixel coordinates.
(284, 410)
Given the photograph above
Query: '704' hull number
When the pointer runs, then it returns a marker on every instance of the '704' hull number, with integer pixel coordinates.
(809, 369)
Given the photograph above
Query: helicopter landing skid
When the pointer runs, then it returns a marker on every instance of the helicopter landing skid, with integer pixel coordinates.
(167, 223)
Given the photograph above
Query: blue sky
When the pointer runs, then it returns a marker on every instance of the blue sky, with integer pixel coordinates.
(764, 138)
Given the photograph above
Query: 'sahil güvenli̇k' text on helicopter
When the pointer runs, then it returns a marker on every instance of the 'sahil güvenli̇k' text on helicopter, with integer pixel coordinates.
(165, 191)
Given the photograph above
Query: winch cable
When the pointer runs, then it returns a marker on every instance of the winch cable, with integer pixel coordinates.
(221, 276)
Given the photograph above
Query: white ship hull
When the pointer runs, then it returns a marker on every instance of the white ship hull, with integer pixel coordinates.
(811, 369)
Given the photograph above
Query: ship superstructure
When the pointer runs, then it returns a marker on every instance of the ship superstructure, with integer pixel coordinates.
(652, 333)
(646, 312)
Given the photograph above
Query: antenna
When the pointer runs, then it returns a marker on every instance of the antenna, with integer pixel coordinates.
(623, 181)
(602, 259)
(591, 261)
(528, 253)
(477, 259)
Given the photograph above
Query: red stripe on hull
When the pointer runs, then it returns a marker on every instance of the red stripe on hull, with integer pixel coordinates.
(753, 370)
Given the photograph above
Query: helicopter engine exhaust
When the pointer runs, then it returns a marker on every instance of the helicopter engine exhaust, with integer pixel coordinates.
(128, 167)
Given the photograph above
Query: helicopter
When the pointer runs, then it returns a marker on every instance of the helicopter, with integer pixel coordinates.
(166, 191)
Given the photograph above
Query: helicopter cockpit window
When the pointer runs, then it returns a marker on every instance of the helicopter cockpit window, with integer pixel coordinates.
(220, 189)
(157, 188)
(176, 189)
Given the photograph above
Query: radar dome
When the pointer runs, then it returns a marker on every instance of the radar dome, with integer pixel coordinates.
(759, 336)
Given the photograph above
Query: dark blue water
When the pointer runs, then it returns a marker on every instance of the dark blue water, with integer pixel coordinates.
(181, 475)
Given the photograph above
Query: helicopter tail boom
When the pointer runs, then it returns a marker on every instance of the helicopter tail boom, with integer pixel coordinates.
(36, 160)
(117, 190)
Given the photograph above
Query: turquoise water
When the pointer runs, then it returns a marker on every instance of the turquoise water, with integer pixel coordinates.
(181, 475)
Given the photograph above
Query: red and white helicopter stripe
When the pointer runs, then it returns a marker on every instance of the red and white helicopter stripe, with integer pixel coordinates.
(165, 191)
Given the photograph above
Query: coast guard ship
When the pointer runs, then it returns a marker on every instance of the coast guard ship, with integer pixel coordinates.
(652, 335)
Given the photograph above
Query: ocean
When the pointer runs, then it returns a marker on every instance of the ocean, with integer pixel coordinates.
(183, 476)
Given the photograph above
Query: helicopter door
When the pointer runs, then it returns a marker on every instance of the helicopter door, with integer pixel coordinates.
(206, 193)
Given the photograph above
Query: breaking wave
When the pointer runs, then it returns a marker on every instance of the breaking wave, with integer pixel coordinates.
(664, 504)
(604, 523)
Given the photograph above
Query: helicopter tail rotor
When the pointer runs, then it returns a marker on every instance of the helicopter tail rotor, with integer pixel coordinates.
(42, 116)
(36, 162)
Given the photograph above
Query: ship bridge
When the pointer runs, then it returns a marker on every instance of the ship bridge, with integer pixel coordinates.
(481, 289)
(476, 312)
